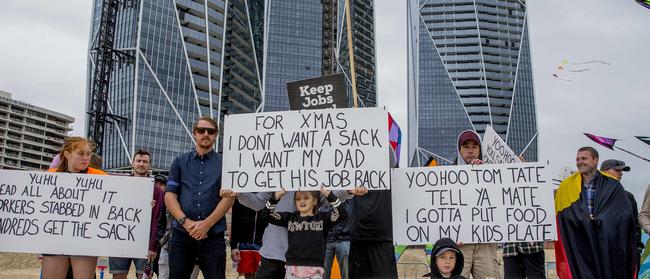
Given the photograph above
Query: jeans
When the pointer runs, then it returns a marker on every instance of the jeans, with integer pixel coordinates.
(340, 248)
(185, 252)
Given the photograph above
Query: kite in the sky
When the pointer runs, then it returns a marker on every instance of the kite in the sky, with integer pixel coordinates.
(646, 140)
(562, 79)
(645, 3)
(564, 68)
(575, 67)
(609, 143)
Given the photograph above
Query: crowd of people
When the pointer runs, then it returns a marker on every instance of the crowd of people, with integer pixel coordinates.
(297, 234)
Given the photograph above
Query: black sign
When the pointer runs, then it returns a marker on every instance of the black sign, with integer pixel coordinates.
(318, 93)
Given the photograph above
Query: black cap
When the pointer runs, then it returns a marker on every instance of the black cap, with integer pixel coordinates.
(160, 178)
(614, 164)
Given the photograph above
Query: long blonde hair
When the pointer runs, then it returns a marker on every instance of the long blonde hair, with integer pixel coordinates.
(69, 145)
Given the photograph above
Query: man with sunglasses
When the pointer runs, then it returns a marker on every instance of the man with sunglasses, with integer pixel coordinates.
(192, 198)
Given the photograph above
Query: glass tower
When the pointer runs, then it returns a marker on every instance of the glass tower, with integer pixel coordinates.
(308, 38)
(469, 67)
(177, 60)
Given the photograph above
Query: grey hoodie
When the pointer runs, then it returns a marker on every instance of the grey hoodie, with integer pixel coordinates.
(459, 159)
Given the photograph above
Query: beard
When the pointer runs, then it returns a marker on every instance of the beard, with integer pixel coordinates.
(206, 142)
(141, 171)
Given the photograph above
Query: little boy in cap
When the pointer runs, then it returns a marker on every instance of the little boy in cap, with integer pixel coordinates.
(448, 261)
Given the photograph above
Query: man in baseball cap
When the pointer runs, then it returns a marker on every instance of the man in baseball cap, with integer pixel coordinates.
(614, 167)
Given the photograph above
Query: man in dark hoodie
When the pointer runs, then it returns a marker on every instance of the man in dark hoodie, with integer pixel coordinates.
(482, 261)
(448, 261)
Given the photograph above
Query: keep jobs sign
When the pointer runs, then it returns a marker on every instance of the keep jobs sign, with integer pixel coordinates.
(318, 93)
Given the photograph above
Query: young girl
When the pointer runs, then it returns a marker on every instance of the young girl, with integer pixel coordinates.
(75, 157)
(307, 231)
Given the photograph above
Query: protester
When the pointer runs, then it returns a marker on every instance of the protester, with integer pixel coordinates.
(448, 260)
(247, 229)
(307, 230)
(481, 259)
(372, 254)
(596, 224)
(615, 169)
(74, 158)
(119, 267)
(338, 243)
(160, 183)
(192, 197)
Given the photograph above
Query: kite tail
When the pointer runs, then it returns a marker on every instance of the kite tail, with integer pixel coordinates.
(628, 152)
(591, 62)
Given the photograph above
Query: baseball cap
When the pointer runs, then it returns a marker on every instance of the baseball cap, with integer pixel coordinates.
(442, 250)
(468, 135)
(160, 178)
(614, 164)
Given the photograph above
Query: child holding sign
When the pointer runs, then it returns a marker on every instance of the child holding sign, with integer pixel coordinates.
(307, 230)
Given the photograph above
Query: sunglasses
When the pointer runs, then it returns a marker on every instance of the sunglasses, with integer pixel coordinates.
(202, 130)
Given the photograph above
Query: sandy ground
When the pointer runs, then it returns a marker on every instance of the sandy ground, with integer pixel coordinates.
(26, 266)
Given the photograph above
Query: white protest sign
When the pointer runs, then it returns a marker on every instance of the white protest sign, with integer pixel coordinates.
(495, 150)
(473, 204)
(336, 148)
(74, 214)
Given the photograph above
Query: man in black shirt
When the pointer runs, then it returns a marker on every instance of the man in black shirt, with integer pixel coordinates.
(372, 254)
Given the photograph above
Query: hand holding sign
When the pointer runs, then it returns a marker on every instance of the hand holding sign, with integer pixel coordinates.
(279, 194)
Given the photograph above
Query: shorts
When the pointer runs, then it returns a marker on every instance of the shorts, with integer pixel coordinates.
(122, 265)
(249, 262)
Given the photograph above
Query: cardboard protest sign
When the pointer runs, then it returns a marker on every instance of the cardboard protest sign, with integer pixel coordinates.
(488, 203)
(336, 148)
(74, 214)
(495, 149)
(318, 93)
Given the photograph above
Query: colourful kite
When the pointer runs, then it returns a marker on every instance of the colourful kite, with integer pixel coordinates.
(645, 3)
(563, 68)
(609, 143)
(575, 67)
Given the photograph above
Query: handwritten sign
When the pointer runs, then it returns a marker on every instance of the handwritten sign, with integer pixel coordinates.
(74, 214)
(473, 204)
(495, 149)
(335, 148)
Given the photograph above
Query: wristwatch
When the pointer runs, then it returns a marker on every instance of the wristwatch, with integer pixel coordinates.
(182, 220)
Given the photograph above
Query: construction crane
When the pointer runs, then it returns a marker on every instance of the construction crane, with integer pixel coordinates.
(104, 59)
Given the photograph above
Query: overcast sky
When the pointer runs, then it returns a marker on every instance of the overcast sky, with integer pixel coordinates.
(43, 56)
